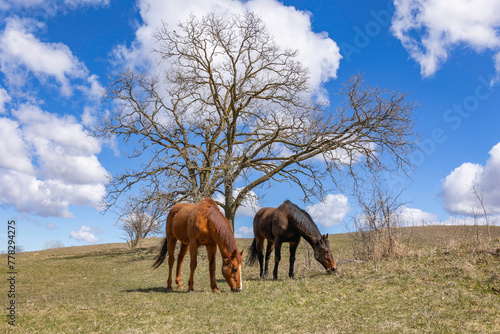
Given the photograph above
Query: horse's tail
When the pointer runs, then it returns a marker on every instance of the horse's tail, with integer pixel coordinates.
(164, 248)
(161, 255)
(252, 253)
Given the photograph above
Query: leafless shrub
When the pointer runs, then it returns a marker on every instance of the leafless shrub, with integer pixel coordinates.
(52, 244)
(377, 229)
(138, 225)
(480, 197)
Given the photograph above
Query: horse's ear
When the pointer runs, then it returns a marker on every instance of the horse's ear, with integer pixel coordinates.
(326, 236)
(233, 256)
(241, 253)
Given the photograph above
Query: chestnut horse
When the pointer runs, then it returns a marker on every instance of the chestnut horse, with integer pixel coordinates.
(194, 226)
(287, 223)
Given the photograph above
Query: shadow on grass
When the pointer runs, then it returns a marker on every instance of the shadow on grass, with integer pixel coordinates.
(155, 290)
(127, 255)
(285, 277)
(112, 254)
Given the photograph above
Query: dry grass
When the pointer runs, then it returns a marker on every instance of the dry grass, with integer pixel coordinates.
(441, 284)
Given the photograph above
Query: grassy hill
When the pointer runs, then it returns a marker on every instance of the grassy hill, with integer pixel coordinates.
(444, 282)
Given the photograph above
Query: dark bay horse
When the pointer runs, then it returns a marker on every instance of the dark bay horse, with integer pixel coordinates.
(287, 223)
(196, 225)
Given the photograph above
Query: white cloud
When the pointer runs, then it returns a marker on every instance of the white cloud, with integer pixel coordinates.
(244, 232)
(49, 6)
(493, 219)
(4, 99)
(291, 28)
(416, 217)
(330, 211)
(78, 3)
(249, 206)
(431, 29)
(94, 90)
(14, 151)
(65, 152)
(348, 155)
(22, 53)
(48, 163)
(457, 193)
(85, 233)
(46, 198)
(497, 69)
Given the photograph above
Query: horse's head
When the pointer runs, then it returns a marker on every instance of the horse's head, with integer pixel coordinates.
(323, 254)
(231, 270)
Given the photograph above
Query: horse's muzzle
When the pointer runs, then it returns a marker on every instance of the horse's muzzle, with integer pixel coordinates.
(238, 289)
(332, 270)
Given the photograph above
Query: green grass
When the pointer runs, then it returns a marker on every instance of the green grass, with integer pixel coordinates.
(441, 285)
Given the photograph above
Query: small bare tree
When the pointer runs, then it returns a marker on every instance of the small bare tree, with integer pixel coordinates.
(139, 224)
(480, 197)
(52, 244)
(377, 234)
(228, 111)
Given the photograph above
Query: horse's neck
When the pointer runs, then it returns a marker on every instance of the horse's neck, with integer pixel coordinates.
(312, 240)
(225, 251)
(222, 237)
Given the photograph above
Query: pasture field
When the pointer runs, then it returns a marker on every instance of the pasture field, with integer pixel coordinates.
(446, 282)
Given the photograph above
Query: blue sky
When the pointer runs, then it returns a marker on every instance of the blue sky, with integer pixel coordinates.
(55, 56)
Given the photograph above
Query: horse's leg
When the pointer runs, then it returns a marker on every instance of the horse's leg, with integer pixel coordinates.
(293, 250)
(269, 250)
(193, 253)
(171, 259)
(180, 259)
(277, 257)
(211, 252)
(259, 244)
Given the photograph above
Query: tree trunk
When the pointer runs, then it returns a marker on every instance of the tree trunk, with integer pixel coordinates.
(230, 213)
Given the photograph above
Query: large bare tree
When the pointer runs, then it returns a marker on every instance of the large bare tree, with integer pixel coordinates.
(228, 110)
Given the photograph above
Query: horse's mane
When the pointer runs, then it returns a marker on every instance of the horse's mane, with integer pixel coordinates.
(300, 218)
(221, 224)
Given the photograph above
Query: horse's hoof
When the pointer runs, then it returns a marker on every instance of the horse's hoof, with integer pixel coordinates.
(169, 289)
(215, 290)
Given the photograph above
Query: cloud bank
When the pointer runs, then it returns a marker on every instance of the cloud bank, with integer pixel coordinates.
(47, 162)
(457, 192)
(291, 28)
(416, 217)
(23, 55)
(330, 211)
(431, 29)
(49, 7)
